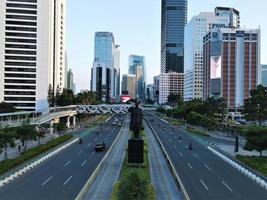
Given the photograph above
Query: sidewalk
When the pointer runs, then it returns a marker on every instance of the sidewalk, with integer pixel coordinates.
(161, 177)
(102, 187)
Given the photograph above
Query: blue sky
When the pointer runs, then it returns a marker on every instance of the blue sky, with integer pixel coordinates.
(136, 27)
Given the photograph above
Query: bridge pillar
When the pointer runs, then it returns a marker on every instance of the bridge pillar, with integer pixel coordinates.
(68, 122)
(51, 127)
(74, 120)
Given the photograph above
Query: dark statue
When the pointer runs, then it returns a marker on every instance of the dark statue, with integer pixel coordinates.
(136, 119)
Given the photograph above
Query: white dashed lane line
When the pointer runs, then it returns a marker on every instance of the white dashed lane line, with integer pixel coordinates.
(204, 185)
(207, 167)
(189, 166)
(181, 154)
(47, 180)
(67, 163)
(83, 163)
(80, 153)
(65, 183)
(226, 186)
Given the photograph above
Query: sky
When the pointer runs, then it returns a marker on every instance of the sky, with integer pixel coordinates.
(136, 28)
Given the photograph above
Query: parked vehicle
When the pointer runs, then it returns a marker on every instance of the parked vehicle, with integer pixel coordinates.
(100, 147)
(236, 117)
(119, 124)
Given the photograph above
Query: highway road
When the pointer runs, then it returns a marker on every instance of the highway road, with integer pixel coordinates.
(204, 175)
(63, 176)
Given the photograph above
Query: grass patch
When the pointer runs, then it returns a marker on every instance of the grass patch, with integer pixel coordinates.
(142, 173)
(197, 132)
(255, 162)
(8, 164)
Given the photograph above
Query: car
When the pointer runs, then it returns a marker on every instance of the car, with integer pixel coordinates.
(100, 146)
(116, 120)
(114, 123)
(119, 124)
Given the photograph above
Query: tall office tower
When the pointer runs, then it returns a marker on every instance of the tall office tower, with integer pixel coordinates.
(116, 72)
(128, 85)
(231, 13)
(137, 67)
(104, 72)
(32, 51)
(156, 80)
(173, 21)
(195, 30)
(150, 91)
(263, 75)
(170, 83)
(231, 64)
(70, 83)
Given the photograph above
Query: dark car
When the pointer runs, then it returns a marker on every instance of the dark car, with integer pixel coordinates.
(100, 146)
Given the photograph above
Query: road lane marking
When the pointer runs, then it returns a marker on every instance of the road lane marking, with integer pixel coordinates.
(67, 180)
(185, 146)
(204, 184)
(195, 155)
(89, 144)
(83, 163)
(67, 163)
(47, 180)
(80, 153)
(181, 154)
(207, 167)
(93, 152)
(227, 186)
(174, 146)
(189, 166)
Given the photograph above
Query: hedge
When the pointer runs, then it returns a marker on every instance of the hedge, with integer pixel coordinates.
(6, 165)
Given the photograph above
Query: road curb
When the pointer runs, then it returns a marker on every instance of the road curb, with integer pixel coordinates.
(93, 177)
(240, 168)
(35, 163)
(171, 166)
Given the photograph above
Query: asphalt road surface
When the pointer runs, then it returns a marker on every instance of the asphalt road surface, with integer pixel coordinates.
(62, 176)
(204, 175)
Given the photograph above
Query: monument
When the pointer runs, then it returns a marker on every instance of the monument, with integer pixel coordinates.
(136, 143)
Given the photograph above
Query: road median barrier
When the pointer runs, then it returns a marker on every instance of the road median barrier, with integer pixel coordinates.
(35, 163)
(246, 171)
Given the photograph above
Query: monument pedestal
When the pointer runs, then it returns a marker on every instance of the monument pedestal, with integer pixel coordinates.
(135, 150)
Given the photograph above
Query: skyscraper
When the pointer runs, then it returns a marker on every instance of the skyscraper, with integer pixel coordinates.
(173, 21)
(32, 51)
(231, 64)
(70, 83)
(231, 13)
(128, 86)
(195, 30)
(106, 69)
(137, 67)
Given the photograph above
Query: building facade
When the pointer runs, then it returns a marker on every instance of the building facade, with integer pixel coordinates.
(128, 85)
(150, 92)
(105, 74)
(231, 13)
(156, 80)
(137, 67)
(195, 30)
(32, 51)
(170, 83)
(231, 64)
(173, 21)
(70, 81)
(263, 75)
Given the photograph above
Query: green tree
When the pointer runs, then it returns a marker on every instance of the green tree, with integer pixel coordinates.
(40, 133)
(255, 107)
(133, 188)
(50, 96)
(87, 98)
(7, 108)
(26, 133)
(7, 138)
(256, 139)
(175, 99)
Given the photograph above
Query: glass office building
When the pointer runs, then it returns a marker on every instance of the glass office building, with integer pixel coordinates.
(173, 21)
(137, 67)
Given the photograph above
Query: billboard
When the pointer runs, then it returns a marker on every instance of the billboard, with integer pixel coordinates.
(215, 67)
